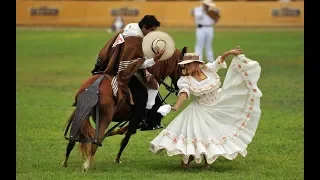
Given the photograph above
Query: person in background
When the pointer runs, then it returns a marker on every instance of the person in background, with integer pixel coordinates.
(205, 17)
(117, 25)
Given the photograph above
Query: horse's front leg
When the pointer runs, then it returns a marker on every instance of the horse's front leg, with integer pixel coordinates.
(123, 144)
(119, 131)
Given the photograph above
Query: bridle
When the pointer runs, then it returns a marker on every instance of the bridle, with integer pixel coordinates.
(170, 88)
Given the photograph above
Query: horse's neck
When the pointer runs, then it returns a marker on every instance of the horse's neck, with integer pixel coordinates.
(167, 67)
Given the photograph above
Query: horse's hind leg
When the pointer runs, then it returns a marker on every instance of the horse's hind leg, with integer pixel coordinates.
(123, 144)
(70, 146)
(105, 119)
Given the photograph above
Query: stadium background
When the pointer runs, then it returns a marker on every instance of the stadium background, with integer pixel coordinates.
(176, 13)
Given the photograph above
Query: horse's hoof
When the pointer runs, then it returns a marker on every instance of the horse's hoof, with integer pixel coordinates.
(85, 168)
(64, 163)
(116, 160)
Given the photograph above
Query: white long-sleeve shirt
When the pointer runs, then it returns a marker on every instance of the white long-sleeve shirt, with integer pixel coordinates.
(201, 17)
(147, 63)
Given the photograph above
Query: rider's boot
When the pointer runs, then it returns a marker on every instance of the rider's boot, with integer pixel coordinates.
(144, 126)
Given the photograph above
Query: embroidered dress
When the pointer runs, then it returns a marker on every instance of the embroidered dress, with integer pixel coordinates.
(219, 121)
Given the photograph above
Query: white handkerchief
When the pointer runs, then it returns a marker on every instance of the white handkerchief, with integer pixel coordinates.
(164, 109)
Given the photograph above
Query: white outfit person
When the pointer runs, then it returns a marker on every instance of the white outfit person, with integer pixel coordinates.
(219, 121)
(204, 33)
(118, 23)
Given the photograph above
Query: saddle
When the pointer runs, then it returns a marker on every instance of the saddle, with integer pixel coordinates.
(123, 110)
(123, 106)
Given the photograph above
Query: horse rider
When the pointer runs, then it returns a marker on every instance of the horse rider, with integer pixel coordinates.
(122, 61)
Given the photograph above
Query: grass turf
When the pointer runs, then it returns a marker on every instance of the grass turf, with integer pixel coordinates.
(52, 63)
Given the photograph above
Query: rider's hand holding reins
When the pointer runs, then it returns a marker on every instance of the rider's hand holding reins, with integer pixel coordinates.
(149, 78)
(158, 55)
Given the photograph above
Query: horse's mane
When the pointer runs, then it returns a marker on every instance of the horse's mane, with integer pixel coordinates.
(163, 69)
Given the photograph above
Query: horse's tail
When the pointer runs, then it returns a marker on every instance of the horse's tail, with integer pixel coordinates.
(86, 98)
(86, 132)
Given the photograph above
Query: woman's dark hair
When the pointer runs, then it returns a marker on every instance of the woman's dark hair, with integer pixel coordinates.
(149, 21)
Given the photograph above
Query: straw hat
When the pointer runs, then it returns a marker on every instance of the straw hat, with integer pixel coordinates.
(209, 3)
(189, 58)
(156, 41)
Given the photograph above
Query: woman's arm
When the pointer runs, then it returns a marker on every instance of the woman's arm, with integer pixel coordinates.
(235, 52)
(224, 56)
(180, 100)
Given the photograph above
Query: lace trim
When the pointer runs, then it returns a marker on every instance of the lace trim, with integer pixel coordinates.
(213, 85)
(185, 157)
(210, 159)
(197, 91)
(250, 101)
(208, 99)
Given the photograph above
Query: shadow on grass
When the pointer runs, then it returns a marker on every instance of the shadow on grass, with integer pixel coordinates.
(163, 166)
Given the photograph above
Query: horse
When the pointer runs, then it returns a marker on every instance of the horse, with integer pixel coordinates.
(103, 110)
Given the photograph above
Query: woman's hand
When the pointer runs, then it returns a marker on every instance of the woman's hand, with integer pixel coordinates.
(236, 51)
(174, 108)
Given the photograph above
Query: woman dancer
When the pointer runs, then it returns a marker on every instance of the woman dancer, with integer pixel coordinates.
(219, 121)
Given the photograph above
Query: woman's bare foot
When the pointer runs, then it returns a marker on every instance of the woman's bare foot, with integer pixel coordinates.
(191, 158)
(183, 165)
(206, 165)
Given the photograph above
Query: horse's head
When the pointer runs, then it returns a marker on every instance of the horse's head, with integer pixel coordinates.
(176, 74)
(169, 67)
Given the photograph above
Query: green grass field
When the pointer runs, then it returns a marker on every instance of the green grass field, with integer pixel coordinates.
(51, 65)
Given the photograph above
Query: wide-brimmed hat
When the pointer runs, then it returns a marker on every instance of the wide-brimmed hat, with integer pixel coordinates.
(189, 58)
(209, 3)
(156, 41)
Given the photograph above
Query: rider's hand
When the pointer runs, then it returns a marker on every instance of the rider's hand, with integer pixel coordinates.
(158, 55)
(149, 78)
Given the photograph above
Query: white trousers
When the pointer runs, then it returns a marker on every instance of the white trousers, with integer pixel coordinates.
(204, 37)
(152, 94)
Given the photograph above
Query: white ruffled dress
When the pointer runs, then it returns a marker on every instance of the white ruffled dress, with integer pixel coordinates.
(219, 121)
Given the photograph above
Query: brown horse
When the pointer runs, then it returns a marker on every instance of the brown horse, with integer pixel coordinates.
(108, 112)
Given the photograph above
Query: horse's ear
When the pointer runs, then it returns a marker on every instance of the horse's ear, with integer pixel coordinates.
(183, 51)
